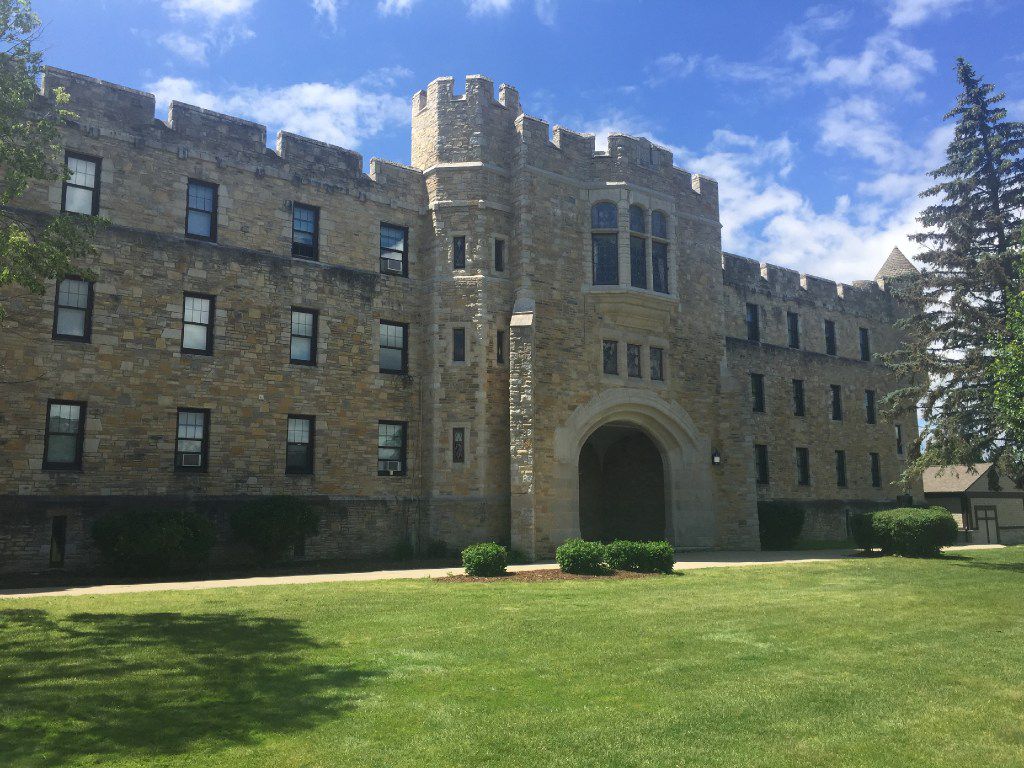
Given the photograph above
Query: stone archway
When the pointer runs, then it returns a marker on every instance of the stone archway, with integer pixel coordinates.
(686, 462)
(621, 486)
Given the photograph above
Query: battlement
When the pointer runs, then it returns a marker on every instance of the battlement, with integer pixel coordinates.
(862, 297)
(206, 126)
(479, 90)
(293, 148)
(93, 97)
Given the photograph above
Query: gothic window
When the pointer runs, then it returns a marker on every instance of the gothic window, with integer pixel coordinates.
(81, 192)
(637, 247)
(659, 251)
(604, 239)
(458, 445)
(459, 252)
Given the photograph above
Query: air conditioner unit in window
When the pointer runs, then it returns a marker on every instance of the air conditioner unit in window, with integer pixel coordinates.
(393, 266)
(191, 460)
(393, 466)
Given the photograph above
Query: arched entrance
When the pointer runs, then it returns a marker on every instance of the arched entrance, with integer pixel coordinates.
(621, 486)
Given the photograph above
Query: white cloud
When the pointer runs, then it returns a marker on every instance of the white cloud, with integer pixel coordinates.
(545, 9)
(345, 115)
(885, 61)
(394, 7)
(327, 9)
(907, 13)
(180, 44)
(482, 7)
(213, 10)
(672, 66)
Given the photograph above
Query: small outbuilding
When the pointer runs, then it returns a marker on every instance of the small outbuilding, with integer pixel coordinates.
(990, 509)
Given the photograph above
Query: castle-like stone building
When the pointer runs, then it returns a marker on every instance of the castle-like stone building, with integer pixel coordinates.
(516, 338)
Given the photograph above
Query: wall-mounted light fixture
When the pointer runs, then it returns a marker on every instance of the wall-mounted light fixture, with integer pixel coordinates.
(716, 457)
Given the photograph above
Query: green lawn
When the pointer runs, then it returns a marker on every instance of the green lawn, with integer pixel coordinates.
(860, 662)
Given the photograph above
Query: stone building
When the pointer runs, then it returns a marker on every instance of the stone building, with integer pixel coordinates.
(517, 337)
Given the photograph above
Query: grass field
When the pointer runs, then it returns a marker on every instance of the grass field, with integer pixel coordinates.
(861, 662)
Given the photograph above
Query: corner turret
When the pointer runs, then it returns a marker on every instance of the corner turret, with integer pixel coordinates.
(896, 265)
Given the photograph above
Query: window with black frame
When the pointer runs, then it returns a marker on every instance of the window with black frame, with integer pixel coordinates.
(657, 364)
(799, 408)
(633, 361)
(830, 337)
(303, 336)
(459, 252)
(201, 213)
(191, 446)
(499, 254)
(604, 241)
(637, 247)
(458, 445)
(391, 445)
(610, 357)
(65, 434)
(394, 249)
(197, 324)
(72, 316)
(803, 466)
(876, 470)
(753, 321)
(869, 406)
(761, 463)
(836, 402)
(394, 347)
(305, 231)
(458, 345)
(659, 251)
(299, 447)
(841, 469)
(81, 191)
(757, 392)
(500, 347)
(793, 327)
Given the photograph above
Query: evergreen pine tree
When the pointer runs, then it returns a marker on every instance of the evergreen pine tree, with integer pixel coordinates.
(961, 298)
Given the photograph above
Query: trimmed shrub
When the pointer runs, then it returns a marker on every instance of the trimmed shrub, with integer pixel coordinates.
(487, 559)
(272, 525)
(153, 542)
(862, 530)
(780, 523)
(641, 556)
(914, 532)
(579, 556)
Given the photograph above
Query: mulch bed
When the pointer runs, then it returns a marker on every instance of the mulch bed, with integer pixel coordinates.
(548, 574)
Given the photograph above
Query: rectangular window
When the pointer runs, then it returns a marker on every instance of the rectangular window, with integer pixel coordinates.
(803, 466)
(633, 361)
(757, 392)
(837, 402)
(753, 323)
(197, 324)
(299, 449)
(869, 406)
(761, 463)
(394, 347)
(605, 247)
(830, 337)
(458, 445)
(876, 470)
(899, 440)
(201, 213)
(865, 345)
(459, 252)
(65, 433)
(81, 193)
(305, 231)
(391, 442)
(841, 469)
(394, 250)
(610, 357)
(499, 255)
(799, 407)
(58, 540)
(793, 325)
(499, 348)
(458, 345)
(657, 364)
(191, 446)
(72, 310)
(638, 262)
(303, 341)
(659, 264)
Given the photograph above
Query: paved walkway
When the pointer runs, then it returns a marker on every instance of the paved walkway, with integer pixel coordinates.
(688, 561)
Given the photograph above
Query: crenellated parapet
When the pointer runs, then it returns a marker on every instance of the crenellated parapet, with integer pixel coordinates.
(863, 297)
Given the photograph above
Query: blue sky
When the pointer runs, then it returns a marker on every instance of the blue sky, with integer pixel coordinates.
(819, 121)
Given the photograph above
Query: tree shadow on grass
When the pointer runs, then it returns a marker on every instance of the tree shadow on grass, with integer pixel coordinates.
(969, 561)
(92, 687)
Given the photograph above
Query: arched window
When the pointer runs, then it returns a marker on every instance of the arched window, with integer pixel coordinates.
(637, 247)
(659, 251)
(604, 240)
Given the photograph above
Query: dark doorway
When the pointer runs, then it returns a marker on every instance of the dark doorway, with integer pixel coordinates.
(622, 486)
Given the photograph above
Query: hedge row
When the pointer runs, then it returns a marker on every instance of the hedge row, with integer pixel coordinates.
(909, 531)
(590, 557)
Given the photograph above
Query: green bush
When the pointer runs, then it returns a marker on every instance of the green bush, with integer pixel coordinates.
(487, 559)
(579, 556)
(272, 525)
(862, 530)
(641, 556)
(780, 524)
(153, 542)
(914, 532)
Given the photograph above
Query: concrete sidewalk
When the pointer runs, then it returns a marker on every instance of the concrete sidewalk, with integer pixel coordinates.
(687, 561)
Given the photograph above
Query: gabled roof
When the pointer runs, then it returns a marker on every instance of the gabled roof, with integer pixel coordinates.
(955, 478)
(896, 265)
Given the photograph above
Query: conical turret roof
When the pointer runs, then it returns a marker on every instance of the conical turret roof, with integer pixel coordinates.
(897, 265)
